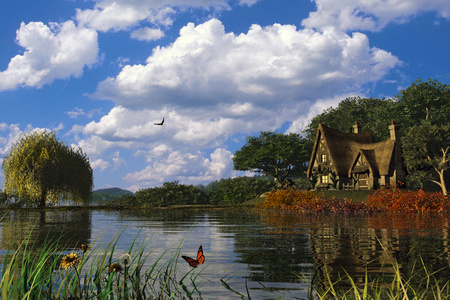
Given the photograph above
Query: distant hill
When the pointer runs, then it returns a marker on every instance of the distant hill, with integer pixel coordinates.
(109, 194)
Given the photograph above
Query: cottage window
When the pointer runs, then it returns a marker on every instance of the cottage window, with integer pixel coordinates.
(322, 158)
(324, 179)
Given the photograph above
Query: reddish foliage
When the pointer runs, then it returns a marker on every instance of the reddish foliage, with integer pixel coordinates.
(391, 200)
(399, 200)
(291, 199)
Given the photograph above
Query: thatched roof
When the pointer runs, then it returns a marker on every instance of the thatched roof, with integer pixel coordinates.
(344, 149)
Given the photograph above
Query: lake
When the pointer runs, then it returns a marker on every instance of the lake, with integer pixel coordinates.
(274, 253)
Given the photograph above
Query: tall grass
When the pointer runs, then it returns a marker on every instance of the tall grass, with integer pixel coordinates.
(95, 273)
(98, 272)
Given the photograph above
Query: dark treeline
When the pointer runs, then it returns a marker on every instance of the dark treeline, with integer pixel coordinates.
(223, 192)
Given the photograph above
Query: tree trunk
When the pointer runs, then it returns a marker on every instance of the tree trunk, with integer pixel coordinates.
(443, 186)
(43, 198)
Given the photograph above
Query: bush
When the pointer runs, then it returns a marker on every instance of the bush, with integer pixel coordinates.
(399, 200)
(171, 193)
(292, 199)
(287, 197)
(238, 190)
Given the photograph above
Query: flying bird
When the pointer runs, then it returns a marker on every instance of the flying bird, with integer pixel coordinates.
(162, 122)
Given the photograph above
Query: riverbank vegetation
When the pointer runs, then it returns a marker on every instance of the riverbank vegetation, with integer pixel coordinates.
(97, 271)
(90, 272)
(390, 200)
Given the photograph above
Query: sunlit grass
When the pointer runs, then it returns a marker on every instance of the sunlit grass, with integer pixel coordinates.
(94, 273)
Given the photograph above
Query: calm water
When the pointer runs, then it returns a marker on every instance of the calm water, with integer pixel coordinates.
(282, 252)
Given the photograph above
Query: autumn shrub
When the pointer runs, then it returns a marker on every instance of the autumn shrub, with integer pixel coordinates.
(400, 200)
(292, 199)
(286, 197)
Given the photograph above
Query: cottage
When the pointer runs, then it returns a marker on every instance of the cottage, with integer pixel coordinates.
(354, 160)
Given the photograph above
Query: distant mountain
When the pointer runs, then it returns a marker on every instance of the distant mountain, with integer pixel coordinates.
(109, 194)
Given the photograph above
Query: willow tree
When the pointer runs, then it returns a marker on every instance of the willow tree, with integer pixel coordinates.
(40, 169)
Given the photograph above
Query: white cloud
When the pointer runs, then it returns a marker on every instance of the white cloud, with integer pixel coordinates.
(99, 164)
(186, 167)
(56, 52)
(117, 160)
(147, 34)
(206, 66)
(372, 15)
(9, 134)
(124, 14)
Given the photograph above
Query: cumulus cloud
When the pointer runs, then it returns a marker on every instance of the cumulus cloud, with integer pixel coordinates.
(124, 14)
(147, 34)
(371, 15)
(51, 52)
(206, 66)
(186, 167)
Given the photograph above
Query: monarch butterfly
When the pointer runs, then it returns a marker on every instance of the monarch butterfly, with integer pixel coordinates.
(195, 262)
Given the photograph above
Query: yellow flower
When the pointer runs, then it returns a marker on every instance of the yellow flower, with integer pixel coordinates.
(114, 268)
(84, 248)
(70, 260)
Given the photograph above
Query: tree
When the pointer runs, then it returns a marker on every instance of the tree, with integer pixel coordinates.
(273, 154)
(373, 114)
(240, 189)
(423, 101)
(40, 169)
(171, 193)
(427, 147)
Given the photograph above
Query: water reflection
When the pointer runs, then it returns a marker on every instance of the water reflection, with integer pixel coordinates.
(72, 227)
(283, 251)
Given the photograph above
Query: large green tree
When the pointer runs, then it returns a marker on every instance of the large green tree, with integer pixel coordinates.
(273, 154)
(372, 113)
(40, 169)
(423, 100)
(427, 147)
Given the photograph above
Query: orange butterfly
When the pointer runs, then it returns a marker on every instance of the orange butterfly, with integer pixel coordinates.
(195, 262)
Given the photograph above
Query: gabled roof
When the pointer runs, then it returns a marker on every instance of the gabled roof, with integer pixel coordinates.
(344, 149)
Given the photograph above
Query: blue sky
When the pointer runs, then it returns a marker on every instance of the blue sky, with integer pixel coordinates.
(100, 73)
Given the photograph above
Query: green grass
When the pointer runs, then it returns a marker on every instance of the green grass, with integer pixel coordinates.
(31, 273)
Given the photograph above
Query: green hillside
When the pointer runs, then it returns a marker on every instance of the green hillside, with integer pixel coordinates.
(109, 194)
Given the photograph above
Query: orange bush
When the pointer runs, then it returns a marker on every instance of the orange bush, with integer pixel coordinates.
(291, 199)
(399, 200)
(287, 197)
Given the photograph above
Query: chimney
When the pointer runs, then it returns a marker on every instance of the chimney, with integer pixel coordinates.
(357, 127)
(393, 129)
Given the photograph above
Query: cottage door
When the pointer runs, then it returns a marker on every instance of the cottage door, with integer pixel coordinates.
(363, 181)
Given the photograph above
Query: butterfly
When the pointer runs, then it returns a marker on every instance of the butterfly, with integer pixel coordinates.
(195, 262)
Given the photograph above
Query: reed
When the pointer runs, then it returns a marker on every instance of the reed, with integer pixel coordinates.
(419, 284)
(90, 272)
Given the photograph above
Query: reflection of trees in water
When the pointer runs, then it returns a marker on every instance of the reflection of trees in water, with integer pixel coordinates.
(375, 243)
(274, 253)
(72, 227)
(172, 220)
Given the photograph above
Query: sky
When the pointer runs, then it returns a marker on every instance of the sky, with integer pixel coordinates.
(101, 73)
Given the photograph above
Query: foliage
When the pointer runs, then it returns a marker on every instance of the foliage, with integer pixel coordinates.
(427, 147)
(40, 169)
(400, 200)
(240, 189)
(273, 154)
(308, 201)
(90, 272)
(109, 194)
(423, 100)
(373, 114)
(170, 193)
